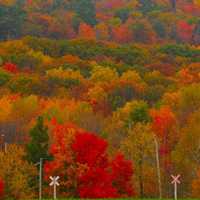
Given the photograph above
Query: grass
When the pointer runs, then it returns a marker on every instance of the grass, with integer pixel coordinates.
(124, 199)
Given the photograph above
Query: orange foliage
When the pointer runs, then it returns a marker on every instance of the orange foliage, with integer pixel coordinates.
(121, 34)
(163, 120)
(86, 32)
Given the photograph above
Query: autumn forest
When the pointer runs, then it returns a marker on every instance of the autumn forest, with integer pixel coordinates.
(104, 94)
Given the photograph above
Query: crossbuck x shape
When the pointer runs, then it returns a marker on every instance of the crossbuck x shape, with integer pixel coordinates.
(54, 180)
(175, 179)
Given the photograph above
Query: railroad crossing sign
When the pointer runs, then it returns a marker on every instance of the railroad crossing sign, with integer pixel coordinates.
(54, 183)
(175, 181)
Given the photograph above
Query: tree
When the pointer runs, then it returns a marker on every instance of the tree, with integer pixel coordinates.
(17, 173)
(102, 31)
(196, 185)
(11, 20)
(10, 67)
(139, 147)
(1, 189)
(38, 146)
(121, 34)
(123, 14)
(85, 9)
(97, 182)
(185, 31)
(86, 32)
(81, 159)
(164, 127)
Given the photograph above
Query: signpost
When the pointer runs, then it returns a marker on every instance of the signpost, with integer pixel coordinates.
(175, 181)
(54, 183)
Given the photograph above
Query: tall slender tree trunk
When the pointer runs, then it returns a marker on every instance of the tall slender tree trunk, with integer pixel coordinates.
(141, 178)
(158, 167)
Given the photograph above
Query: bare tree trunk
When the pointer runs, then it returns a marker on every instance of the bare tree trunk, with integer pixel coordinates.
(158, 167)
(141, 178)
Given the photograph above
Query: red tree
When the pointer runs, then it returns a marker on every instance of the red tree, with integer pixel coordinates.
(1, 189)
(10, 67)
(86, 32)
(122, 171)
(163, 124)
(81, 158)
(185, 31)
(96, 182)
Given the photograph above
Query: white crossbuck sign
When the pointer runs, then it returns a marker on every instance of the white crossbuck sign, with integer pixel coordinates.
(175, 182)
(54, 183)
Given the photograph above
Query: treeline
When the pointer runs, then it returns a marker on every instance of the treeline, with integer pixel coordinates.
(122, 21)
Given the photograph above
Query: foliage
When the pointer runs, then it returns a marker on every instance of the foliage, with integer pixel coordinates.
(38, 146)
(73, 151)
(17, 173)
(1, 189)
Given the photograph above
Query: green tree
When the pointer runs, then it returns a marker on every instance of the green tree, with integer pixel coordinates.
(38, 146)
(85, 9)
(11, 20)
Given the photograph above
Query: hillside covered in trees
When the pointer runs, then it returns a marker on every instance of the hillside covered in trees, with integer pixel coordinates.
(107, 92)
(121, 21)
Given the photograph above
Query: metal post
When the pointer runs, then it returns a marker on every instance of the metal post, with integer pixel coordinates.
(54, 183)
(175, 182)
(175, 191)
(54, 191)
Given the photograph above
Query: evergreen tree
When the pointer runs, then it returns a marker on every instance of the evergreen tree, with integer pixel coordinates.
(38, 145)
(85, 10)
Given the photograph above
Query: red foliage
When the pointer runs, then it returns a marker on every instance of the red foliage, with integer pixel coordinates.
(185, 31)
(191, 8)
(90, 150)
(10, 67)
(1, 189)
(165, 68)
(122, 171)
(80, 157)
(163, 121)
(96, 183)
(103, 178)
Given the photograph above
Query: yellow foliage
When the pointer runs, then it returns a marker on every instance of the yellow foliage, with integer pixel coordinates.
(5, 108)
(16, 173)
(97, 93)
(133, 79)
(103, 75)
(64, 74)
(7, 2)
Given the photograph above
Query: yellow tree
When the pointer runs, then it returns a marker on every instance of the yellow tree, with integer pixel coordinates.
(16, 173)
(139, 147)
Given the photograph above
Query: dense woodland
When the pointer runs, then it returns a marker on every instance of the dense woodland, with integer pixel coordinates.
(107, 92)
